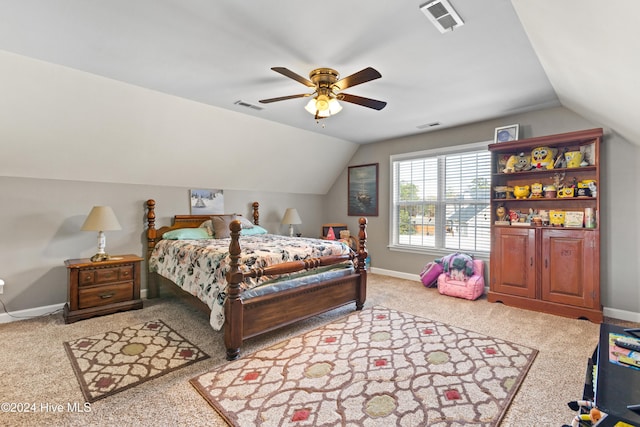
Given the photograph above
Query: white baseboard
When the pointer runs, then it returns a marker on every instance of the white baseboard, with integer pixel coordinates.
(629, 316)
(29, 313)
(615, 313)
(392, 273)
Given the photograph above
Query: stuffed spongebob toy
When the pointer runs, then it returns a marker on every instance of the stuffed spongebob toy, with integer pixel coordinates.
(556, 218)
(543, 157)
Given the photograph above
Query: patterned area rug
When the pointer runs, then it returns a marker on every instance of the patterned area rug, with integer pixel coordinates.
(115, 361)
(377, 367)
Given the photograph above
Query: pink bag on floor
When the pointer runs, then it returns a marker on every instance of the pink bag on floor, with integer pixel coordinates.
(429, 274)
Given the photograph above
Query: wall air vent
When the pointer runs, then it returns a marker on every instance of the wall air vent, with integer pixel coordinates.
(441, 13)
(247, 105)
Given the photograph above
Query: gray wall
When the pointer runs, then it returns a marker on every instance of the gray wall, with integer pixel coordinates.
(620, 251)
(41, 218)
(41, 222)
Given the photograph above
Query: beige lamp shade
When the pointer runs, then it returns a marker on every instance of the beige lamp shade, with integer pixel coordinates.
(100, 219)
(291, 217)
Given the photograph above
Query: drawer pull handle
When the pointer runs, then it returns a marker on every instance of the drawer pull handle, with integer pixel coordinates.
(107, 295)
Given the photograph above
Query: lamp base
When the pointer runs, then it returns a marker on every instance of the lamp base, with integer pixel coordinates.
(100, 257)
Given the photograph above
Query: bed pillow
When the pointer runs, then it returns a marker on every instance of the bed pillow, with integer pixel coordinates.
(256, 229)
(244, 222)
(208, 225)
(187, 234)
(221, 226)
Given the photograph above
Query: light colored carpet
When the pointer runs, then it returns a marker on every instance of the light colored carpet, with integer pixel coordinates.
(34, 368)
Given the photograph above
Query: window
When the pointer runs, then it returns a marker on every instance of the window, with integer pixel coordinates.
(440, 200)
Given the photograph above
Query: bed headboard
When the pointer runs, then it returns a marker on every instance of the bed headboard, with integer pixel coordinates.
(180, 221)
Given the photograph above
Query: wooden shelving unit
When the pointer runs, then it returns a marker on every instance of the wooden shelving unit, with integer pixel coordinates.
(553, 269)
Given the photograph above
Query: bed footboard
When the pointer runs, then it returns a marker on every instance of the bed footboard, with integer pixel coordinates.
(245, 319)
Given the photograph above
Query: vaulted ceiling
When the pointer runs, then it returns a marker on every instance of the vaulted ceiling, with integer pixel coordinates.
(509, 57)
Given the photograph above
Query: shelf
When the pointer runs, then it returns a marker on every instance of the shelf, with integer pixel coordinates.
(541, 172)
(546, 199)
(544, 227)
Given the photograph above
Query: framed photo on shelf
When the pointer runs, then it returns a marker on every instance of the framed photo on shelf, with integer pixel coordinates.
(363, 190)
(506, 133)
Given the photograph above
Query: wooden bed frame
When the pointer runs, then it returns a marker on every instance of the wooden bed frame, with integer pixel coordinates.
(251, 317)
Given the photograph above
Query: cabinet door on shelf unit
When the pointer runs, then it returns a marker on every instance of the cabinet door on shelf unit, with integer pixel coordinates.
(513, 261)
(569, 267)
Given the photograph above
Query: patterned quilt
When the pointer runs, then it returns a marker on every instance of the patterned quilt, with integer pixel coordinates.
(200, 266)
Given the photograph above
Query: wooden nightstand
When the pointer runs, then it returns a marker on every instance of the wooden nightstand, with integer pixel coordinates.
(104, 287)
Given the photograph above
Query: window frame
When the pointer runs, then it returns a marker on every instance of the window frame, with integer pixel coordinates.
(452, 150)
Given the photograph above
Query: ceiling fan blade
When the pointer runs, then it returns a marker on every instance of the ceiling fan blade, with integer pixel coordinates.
(365, 102)
(284, 98)
(361, 76)
(297, 77)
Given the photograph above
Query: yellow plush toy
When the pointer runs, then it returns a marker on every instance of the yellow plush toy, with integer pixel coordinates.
(521, 191)
(543, 157)
(556, 218)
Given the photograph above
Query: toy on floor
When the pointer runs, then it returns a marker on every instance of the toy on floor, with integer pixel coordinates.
(587, 419)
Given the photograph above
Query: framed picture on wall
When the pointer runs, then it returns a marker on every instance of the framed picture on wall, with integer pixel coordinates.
(363, 190)
(206, 202)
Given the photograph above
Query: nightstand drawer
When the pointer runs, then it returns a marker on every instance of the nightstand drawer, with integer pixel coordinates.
(105, 275)
(104, 295)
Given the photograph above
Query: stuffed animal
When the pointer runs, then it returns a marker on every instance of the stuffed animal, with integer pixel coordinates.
(556, 218)
(521, 191)
(517, 163)
(543, 157)
(536, 190)
(523, 163)
(510, 164)
(593, 416)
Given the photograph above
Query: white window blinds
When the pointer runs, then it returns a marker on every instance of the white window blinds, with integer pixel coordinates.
(441, 200)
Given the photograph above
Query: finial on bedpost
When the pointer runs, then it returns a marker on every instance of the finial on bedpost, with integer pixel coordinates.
(256, 214)
(362, 247)
(233, 326)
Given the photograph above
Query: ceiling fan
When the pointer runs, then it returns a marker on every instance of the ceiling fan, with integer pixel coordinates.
(328, 90)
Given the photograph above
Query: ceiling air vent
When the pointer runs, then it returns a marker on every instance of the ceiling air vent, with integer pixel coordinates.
(441, 13)
(247, 105)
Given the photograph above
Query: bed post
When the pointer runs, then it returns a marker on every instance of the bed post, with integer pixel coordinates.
(152, 278)
(233, 325)
(256, 214)
(362, 263)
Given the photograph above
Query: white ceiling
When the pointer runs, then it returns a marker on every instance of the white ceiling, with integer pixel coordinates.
(219, 52)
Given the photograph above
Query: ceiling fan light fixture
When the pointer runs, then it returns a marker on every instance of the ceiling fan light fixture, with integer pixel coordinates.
(334, 106)
(328, 90)
(323, 106)
(322, 103)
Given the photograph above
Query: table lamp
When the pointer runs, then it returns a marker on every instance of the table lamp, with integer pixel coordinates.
(101, 219)
(291, 217)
